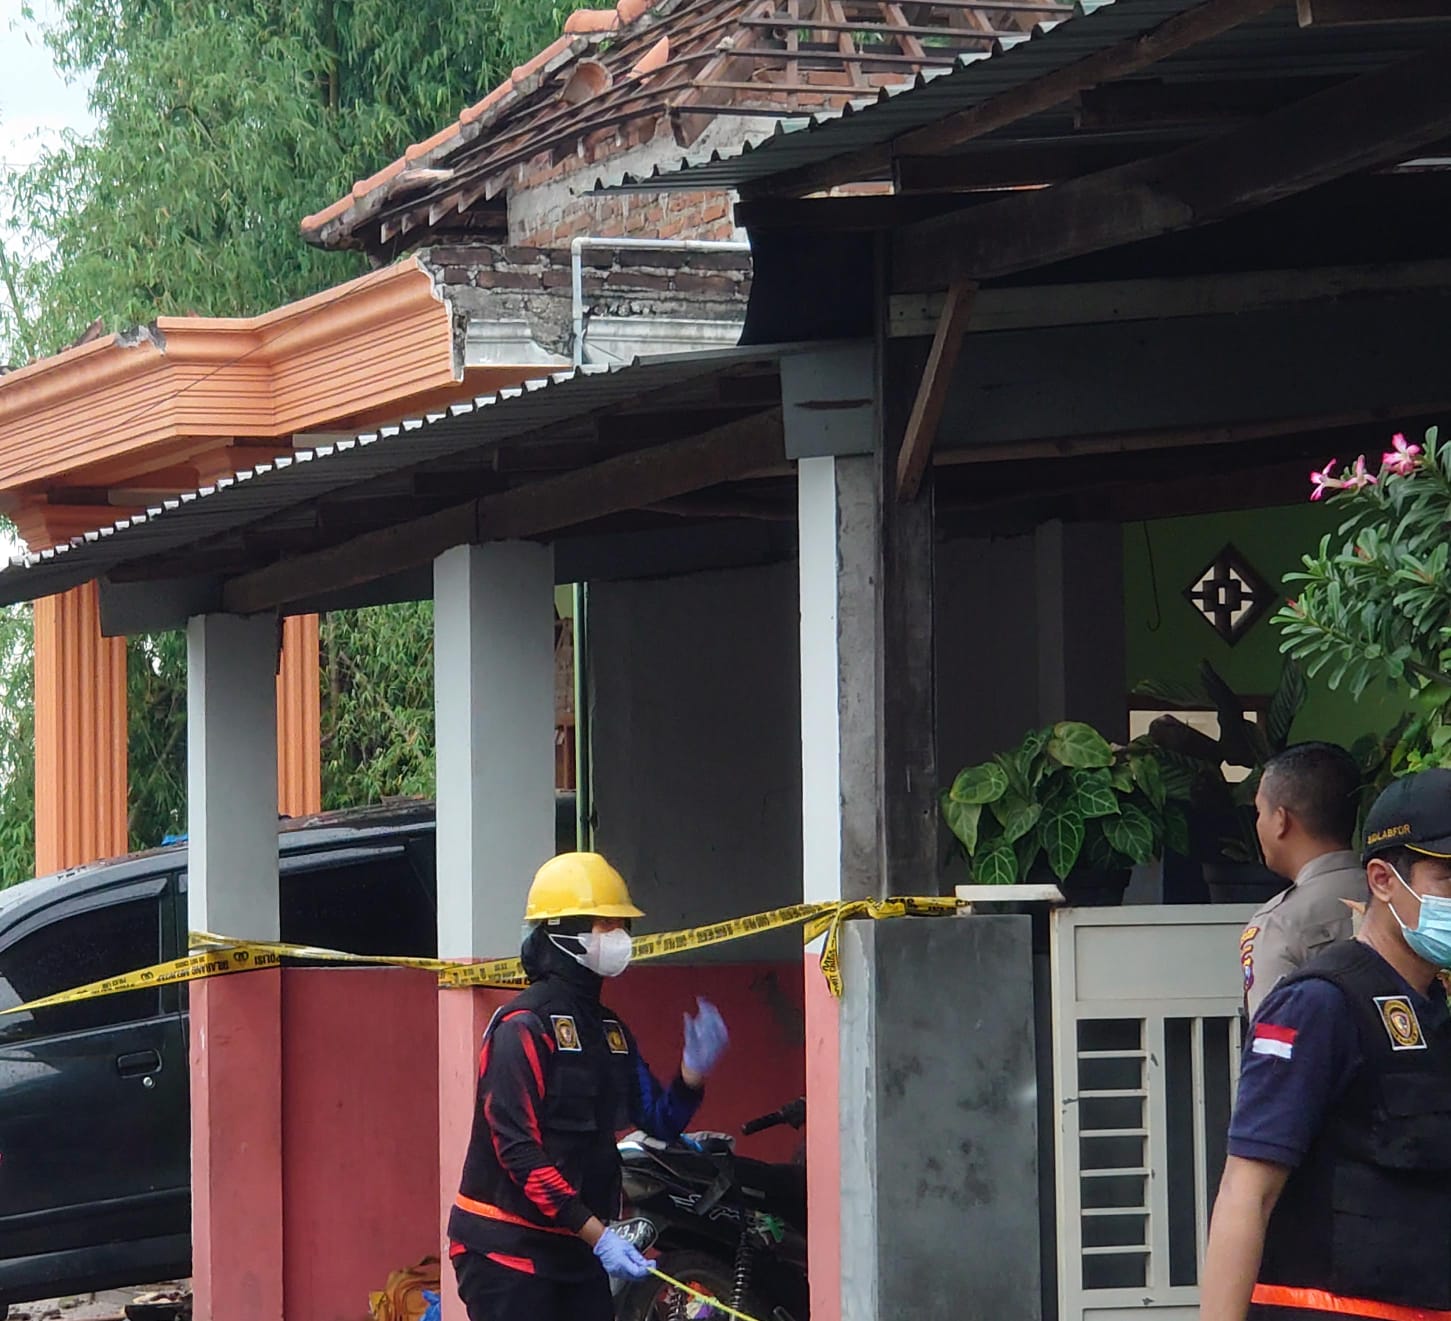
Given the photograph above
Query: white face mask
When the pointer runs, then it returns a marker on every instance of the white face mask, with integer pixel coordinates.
(604, 953)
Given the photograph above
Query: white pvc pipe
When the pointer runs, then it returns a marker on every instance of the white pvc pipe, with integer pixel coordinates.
(576, 268)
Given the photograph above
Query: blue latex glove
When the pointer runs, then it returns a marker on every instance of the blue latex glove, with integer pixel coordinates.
(705, 1038)
(620, 1259)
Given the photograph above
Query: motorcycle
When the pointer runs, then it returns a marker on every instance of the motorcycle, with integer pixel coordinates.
(727, 1226)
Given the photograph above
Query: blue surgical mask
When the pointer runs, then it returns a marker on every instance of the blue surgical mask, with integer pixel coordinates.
(1431, 936)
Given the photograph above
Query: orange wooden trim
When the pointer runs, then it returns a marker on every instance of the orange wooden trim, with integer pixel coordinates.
(358, 347)
(299, 760)
(80, 734)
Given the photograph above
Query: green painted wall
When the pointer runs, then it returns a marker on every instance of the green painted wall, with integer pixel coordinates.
(1167, 637)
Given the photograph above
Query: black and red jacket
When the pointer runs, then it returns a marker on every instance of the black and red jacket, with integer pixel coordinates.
(559, 1077)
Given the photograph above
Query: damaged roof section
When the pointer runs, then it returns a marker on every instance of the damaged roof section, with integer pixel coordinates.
(620, 77)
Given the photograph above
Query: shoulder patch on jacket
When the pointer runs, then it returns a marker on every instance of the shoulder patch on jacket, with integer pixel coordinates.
(615, 1037)
(566, 1034)
(1401, 1023)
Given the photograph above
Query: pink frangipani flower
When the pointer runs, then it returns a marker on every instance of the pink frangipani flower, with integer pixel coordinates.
(1360, 477)
(1324, 481)
(1401, 457)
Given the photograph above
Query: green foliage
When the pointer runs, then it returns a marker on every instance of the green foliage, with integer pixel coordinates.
(1067, 797)
(17, 745)
(156, 737)
(223, 124)
(377, 703)
(1374, 602)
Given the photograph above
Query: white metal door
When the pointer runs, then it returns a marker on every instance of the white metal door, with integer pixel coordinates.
(1146, 1057)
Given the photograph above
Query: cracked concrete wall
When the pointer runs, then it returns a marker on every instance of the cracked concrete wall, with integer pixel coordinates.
(695, 734)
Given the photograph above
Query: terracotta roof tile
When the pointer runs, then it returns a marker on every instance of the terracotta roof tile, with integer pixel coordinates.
(706, 58)
(630, 10)
(591, 20)
(479, 109)
(556, 47)
(652, 59)
(428, 144)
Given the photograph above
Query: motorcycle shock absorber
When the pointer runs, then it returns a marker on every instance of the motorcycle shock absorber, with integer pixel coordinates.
(741, 1284)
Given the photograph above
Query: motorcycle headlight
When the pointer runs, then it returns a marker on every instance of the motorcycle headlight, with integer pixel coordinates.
(639, 1233)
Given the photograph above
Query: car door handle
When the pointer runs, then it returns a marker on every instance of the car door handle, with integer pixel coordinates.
(138, 1064)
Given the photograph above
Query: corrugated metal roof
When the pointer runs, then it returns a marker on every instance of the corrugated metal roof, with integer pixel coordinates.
(489, 421)
(1272, 44)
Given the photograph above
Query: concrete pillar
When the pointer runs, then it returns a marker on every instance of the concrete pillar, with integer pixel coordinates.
(494, 699)
(236, 1022)
(299, 760)
(868, 756)
(80, 733)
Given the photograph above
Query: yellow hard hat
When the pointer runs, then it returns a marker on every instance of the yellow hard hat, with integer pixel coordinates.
(578, 885)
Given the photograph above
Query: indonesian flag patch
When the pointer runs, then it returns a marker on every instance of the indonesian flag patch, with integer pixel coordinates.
(1272, 1040)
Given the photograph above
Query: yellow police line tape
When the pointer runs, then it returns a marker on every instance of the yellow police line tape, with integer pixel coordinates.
(222, 955)
(701, 1297)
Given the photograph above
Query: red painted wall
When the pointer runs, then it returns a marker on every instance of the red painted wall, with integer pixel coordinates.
(763, 1006)
(360, 1133)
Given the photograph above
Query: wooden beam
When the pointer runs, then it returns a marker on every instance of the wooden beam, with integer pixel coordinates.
(840, 215)
(1373, 120)
(1210, 19)
(922, 422)
(1140, 103)
(1337, 13)
(626, 482)
(1015, 165)
(1130, 442)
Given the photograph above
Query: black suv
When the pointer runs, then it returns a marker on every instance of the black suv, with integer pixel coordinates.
(95, 1161)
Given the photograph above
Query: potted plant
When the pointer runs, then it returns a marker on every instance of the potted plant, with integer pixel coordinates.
(1069, 805)
(1222, 814)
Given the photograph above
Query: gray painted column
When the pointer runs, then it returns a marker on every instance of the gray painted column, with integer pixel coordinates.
(1079, 587)
(494, 702)
(837, 518)
(231, 770)
(831, 425)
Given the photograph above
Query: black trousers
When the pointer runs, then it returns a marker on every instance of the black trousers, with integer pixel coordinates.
(495, 1293)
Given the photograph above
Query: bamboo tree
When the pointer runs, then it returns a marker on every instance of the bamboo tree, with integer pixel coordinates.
(221, 124)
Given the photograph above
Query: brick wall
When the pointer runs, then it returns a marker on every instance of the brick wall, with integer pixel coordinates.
(551, 202)
(533, 284)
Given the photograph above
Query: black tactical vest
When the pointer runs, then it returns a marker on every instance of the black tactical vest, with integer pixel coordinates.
(587, 1100)
(1367, 1214)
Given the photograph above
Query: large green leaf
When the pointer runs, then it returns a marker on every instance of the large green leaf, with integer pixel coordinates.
(1131, 833)
(980, 784)
(962, 819)
(1061, 831)
(1285, 705)
(1017, 815)
(1029, 758)
(1176, 830)
(1076, 744)
(1094, 793)
(1149, 778)
(996, 865)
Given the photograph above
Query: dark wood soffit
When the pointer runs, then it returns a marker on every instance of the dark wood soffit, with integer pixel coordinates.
(626, 482)
(1372, 120)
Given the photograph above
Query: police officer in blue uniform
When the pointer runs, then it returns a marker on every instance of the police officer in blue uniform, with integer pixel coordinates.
(1336, 1195)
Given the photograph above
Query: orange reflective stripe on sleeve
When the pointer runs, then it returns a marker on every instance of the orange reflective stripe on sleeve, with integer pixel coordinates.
(506, 1217)
(1320, 1300)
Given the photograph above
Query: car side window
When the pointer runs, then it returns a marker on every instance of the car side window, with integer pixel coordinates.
(72, 951)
